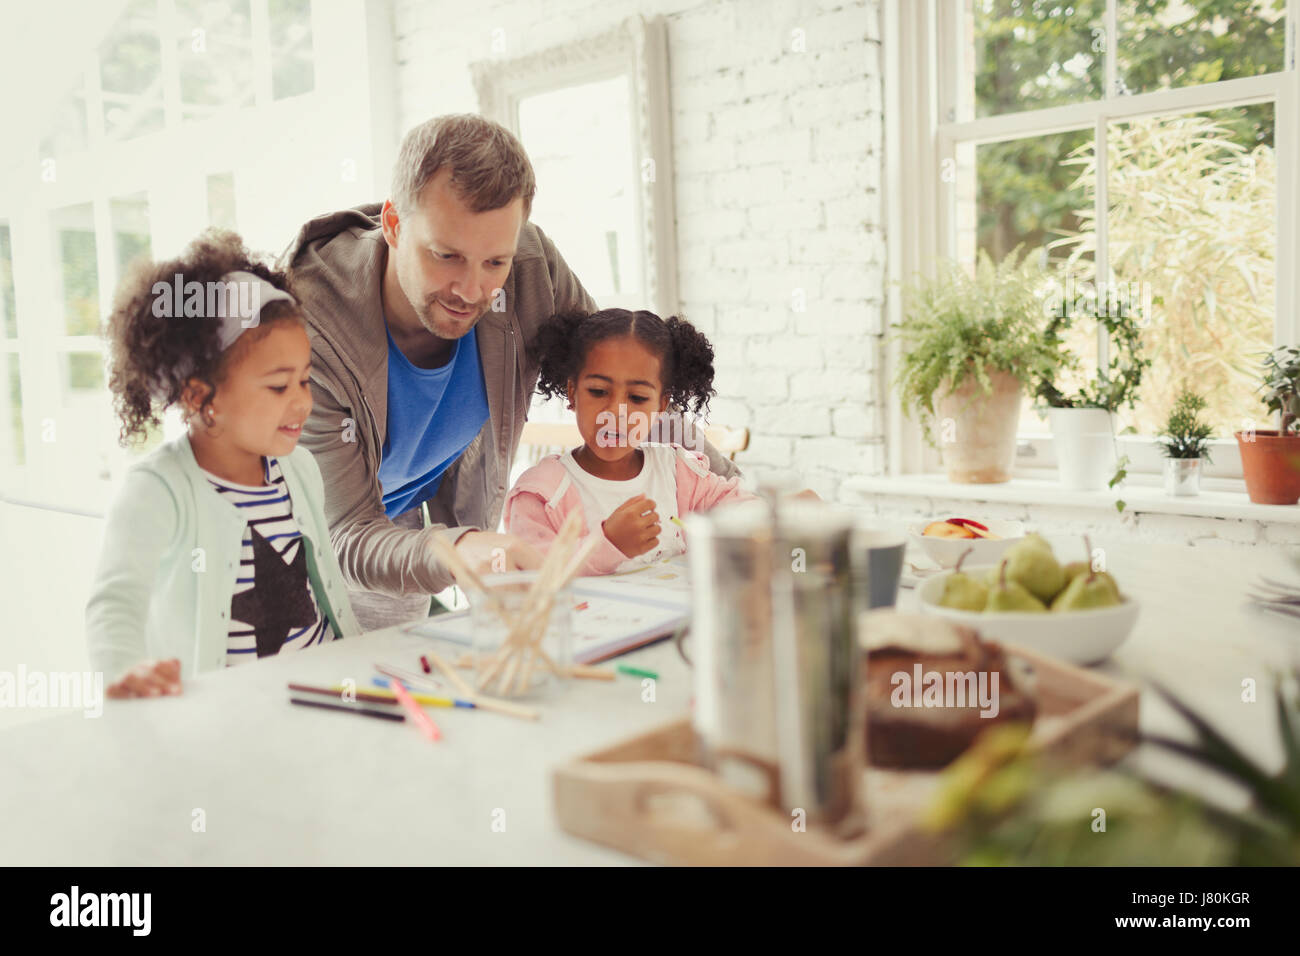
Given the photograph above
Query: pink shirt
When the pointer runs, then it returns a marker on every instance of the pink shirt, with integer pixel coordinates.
(545, 494)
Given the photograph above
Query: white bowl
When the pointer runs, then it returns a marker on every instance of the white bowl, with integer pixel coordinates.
(946, 552)
(1080, 637)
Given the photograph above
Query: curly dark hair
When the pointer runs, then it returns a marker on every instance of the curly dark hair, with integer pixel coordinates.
(685, 355)
(152, 358)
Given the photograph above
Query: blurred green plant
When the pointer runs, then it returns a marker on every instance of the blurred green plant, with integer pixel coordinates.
(1001, 804)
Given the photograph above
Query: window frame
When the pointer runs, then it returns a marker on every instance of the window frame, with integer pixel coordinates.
(170, 168)
(925, 61)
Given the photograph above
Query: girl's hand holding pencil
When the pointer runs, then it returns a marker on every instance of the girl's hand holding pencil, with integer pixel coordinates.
(634, 526)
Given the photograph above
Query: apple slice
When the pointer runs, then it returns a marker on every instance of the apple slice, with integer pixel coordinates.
(981, 531)
(946, 529)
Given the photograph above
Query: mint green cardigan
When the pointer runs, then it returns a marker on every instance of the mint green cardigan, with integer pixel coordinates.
(171, 555)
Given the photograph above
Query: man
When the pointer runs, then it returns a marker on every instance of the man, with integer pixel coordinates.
(423, 313)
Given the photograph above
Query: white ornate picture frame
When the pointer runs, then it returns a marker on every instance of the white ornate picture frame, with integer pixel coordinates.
(638, 47)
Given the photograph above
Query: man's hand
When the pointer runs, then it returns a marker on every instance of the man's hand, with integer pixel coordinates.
(490, 553)
(634, 526)
(148, 679)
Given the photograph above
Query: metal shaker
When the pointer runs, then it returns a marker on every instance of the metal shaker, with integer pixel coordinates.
(776, 657)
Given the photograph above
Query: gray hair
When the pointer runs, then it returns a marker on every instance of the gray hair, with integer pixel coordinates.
(489, 167)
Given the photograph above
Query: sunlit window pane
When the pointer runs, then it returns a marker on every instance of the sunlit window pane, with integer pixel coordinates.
(1164, 44)
(130, 219)
(214, 46)
(221, 201)
(293, 67)
(130, 73)
(580, 143)
(11, 389)
(77, 269)
(1029, 193)
(67, 130)
(8, 305)
(1191, 231)
(1028, 54)
(84, 371)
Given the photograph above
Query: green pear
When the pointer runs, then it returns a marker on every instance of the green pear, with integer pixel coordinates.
(1094, 589)
(1034, 540)
(1010, 595)
(1032, 564)
(1076, 568)
(962, 591)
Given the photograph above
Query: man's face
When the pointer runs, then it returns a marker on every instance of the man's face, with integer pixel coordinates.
(450, 261)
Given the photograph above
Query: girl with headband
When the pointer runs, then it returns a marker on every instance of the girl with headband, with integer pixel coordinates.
(216, 549)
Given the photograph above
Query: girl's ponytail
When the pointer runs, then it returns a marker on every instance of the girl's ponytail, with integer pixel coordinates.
(560, 348)
(692, 366)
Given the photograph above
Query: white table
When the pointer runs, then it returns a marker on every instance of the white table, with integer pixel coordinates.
(282, 784)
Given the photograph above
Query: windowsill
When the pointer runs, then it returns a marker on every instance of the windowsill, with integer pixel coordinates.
(1142, 494)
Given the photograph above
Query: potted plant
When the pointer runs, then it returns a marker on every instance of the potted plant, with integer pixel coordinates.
(1270, 460)
(970, 344)
(1185, 442)
(1083, 423)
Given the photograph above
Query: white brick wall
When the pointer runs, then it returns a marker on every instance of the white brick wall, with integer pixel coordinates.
(777, 157)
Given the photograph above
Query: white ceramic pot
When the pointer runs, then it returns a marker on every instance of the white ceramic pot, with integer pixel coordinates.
(1084, 439)
(1182, 477)
(977, 432)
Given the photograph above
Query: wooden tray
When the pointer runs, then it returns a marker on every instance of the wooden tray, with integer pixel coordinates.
(647, 796)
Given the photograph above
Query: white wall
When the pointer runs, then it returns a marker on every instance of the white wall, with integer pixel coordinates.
(778, 166)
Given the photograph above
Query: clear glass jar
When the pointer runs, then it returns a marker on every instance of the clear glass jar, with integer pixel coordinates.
(506, 662)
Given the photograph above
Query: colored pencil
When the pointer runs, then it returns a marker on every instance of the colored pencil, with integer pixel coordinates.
(423, 722)
(637, 672)
(338, 690)
(590, 673)
(424, 700)
(346, 708)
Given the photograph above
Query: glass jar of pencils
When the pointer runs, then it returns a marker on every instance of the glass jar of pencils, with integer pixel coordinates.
(522, 636)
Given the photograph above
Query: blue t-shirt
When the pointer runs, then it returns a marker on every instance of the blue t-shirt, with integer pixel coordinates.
(433, 415)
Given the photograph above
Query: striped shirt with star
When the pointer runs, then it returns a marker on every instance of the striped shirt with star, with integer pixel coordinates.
(266, 509)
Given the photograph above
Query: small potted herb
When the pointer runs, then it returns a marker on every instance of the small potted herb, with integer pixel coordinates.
(1185, 442)
(970, 344)
(1270, 460)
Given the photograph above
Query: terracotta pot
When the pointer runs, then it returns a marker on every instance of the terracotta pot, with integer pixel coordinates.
(977, 432)
(1271, 466)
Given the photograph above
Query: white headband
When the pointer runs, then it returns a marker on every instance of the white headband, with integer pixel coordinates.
(237, 312)
(236, 309)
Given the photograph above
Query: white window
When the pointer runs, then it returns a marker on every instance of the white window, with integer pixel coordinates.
(1150, 144)
(254, 115)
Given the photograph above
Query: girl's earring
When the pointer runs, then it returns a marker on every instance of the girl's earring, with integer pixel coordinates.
(208, 418)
